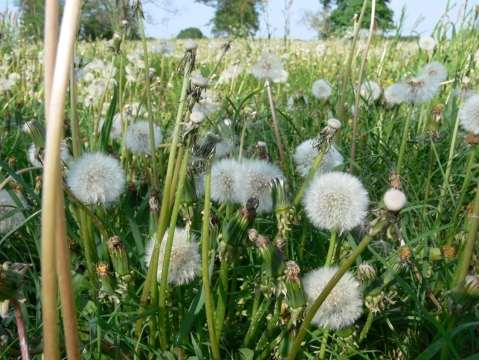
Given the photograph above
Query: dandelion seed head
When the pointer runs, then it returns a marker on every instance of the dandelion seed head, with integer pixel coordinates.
(268, 67)
(254, 180)
(96, 178)
(321, 89)
(469, 114)
(223, 180)
(197, 79)
(342, 307)
(427, 43)
(435, 72)
(394, 200)
(370, 90)
(307, 151)
(396, 94)
(185, 258)
(137, 138)
(336, 201)
(190, 45)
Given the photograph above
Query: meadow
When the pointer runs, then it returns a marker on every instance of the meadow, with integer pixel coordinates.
(240, 199)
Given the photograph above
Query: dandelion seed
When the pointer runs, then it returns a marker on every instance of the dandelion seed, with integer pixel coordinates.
(336, 201)
(321, 89)
(185, 259)
(469, 114)
(254, 180)
(307, 151)
(10, 215)
(197, 79)
(342, 307)
(137, 138)
(96, 178)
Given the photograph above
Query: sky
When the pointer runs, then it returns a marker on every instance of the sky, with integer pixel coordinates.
(167, 21)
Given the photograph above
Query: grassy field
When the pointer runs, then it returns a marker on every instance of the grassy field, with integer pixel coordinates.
(197, 226)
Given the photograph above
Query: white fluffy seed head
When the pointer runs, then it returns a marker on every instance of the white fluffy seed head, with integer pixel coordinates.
(307, 151)
(469, 114)
(370, 91)
(422, 89)
(336, 201)
(334, 123)
(396, 94)
(427, 43)
(254, 180)
(9, 206)
(184, 259)
(223, 180)
(342, 307)
(435, 72)
(137, 138)
(268, 67)
(197, 79)
(96, 178)
(321, 89)
(394, 200)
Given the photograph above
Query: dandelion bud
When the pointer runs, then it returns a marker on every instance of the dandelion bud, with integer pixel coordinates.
(471, 285)
(435, 254)
(252, 234)
(261, 150)
(294, 291)
(261, 242)
(405, 253)
(118, 255)
(4, 311)
(394, 200)
(154, 204)
(366, 272)
(448, 251)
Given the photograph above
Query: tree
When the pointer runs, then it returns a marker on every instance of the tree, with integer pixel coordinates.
(99, 18)
(190, 33)
(342, 15)
(237, 18)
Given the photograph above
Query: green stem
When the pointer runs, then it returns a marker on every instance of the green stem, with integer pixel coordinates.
(367, 326)
(75, 126)
(150, 281)
(402, 149)
(467, 180)
(205, 240)
(276, 130)
(466, 256)
(167, 253)
(324, 294)
(445, 184)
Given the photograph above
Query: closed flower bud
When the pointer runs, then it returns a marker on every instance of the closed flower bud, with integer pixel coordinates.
(366, 272)
(471, 285)
(118, 255)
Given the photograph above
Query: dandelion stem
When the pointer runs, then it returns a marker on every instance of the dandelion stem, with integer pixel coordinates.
(324, 294)
(467, 180)
(277, 132)
(150, 281)
(168, 246)
(360, 80)
(22, 333)
(447, 175)
(74, 124)
(205, 240)
(402, 149)
(466, 256)
(340, 107)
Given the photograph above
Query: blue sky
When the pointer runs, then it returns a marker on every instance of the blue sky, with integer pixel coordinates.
(185, 13)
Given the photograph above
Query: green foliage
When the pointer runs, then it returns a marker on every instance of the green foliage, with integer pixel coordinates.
(342, 16)
(238, 18)
(190, 33)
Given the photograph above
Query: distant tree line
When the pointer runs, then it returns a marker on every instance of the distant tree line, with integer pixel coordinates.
(99, 20)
